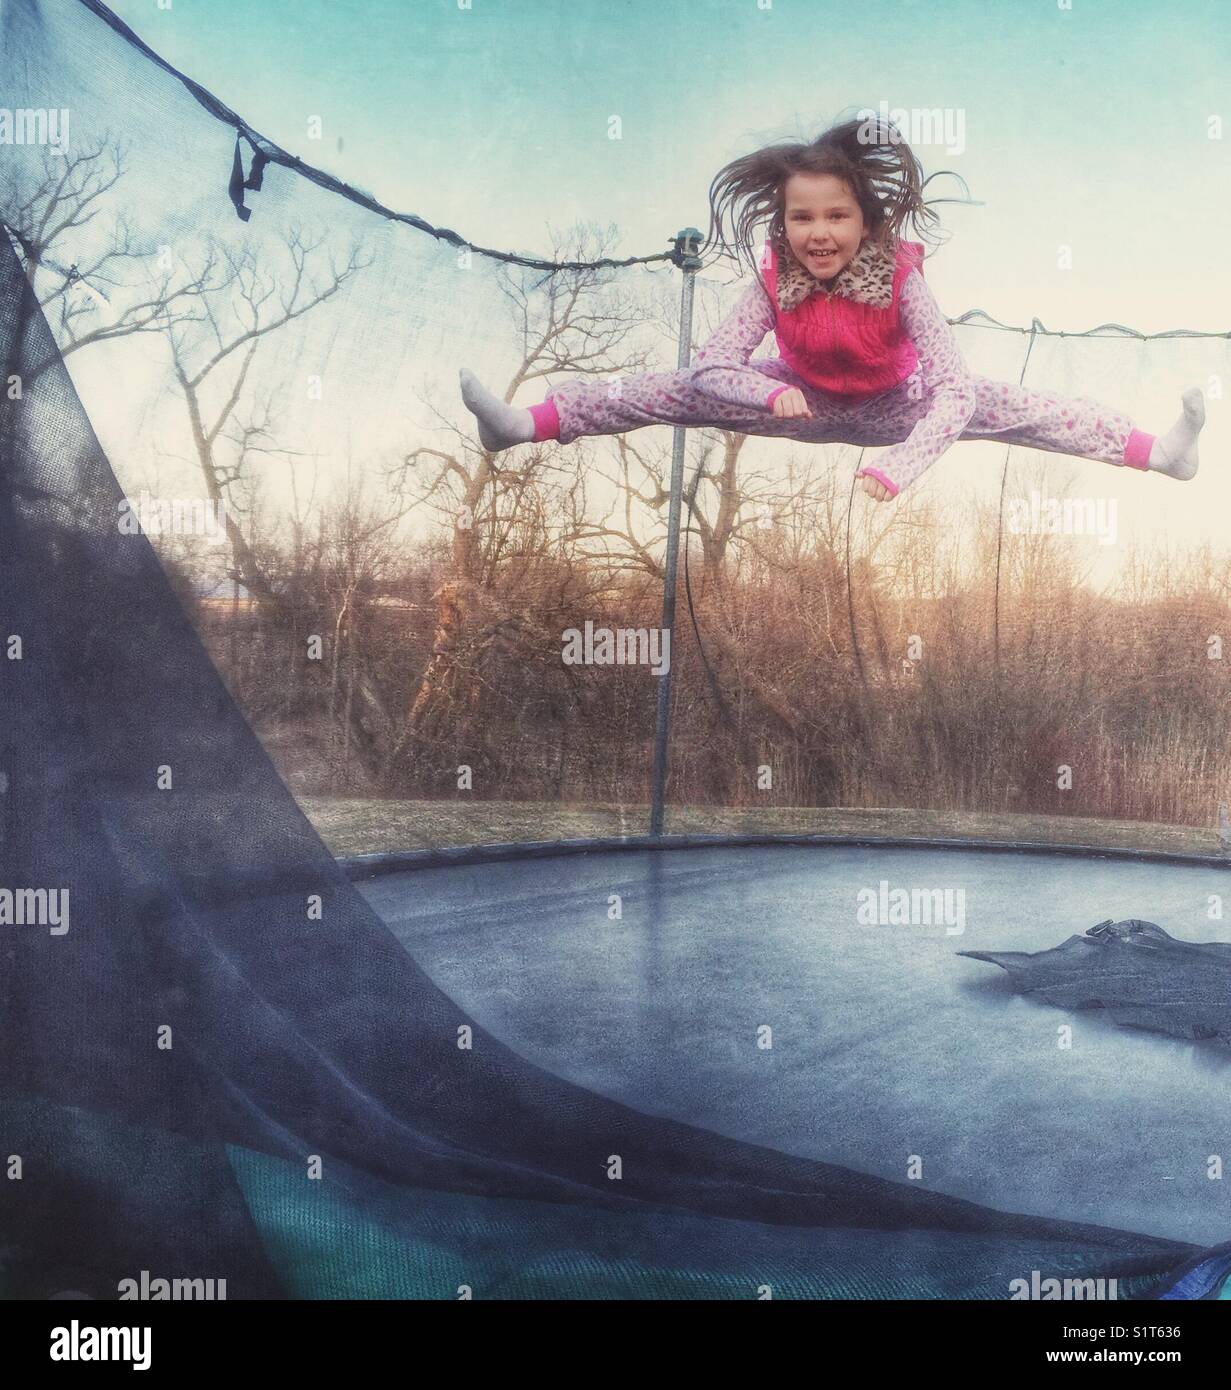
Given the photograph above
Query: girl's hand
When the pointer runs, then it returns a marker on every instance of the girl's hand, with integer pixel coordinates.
(872, 486)
(790, 405)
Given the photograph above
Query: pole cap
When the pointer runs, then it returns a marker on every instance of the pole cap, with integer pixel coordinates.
(686, 250)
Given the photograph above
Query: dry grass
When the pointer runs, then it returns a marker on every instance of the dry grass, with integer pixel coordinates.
(367, 826)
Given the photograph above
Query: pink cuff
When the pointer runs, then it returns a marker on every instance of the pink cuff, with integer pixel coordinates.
(546, 422)
(880, 478)
(774, 394)
(1137, 449)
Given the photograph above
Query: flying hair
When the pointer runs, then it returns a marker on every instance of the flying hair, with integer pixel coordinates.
(868, 154)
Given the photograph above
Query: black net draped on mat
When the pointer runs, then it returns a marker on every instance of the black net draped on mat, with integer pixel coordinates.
(1143, 977)
(197, 1017)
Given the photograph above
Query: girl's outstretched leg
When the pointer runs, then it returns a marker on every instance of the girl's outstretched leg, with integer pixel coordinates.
(1083, 427)
(608, 406)
(614, 404)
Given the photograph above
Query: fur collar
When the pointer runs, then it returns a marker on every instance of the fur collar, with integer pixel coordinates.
(867, 279)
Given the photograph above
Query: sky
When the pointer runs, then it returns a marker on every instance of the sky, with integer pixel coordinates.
(1095, 138)
(1084, 126)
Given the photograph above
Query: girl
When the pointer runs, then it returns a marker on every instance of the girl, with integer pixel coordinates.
(865, 354)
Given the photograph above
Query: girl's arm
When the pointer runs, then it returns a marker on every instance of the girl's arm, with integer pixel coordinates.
(947, 384)
(722, 369)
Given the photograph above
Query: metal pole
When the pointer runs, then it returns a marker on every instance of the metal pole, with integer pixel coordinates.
(687, 256)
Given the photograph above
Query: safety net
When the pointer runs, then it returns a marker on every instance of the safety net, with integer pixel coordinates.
(268, 607)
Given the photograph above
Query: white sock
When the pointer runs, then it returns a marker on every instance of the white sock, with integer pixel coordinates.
(1175, 453)
(500, 425)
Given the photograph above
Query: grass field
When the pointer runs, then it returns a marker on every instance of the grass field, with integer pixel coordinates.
(366, 826)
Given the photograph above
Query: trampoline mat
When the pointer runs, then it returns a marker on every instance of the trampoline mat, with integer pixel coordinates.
(887, 1048)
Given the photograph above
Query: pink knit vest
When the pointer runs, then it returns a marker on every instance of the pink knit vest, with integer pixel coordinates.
(841, 346)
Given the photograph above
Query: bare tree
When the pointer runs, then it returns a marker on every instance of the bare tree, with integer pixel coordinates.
(94, 278)
(360, 552)
(240, 305)
(498, 508)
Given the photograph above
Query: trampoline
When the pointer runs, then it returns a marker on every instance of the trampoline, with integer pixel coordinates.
(885, 1044)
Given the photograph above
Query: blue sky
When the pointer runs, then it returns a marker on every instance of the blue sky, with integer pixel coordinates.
(1084, 132)
(1085, 127)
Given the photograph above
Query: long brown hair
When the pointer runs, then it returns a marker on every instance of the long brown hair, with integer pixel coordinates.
(880, 169)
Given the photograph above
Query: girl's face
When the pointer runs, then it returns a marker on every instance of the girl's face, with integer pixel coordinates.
(824, 224)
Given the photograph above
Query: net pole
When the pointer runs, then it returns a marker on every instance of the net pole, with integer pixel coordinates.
(686, 256)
